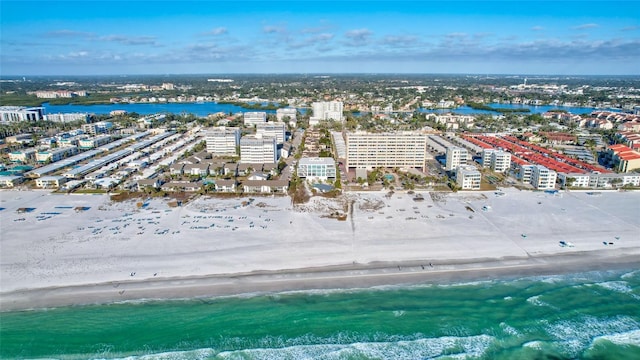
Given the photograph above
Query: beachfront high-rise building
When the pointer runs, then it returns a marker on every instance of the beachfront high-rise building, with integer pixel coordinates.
(317, 168)
(9, 114)
(326, 110)
(223, 141)
(456, 156)
(276, 130)
(468, 177)
(258, 150)
(254, 117)
(543, 178)
(398, 149)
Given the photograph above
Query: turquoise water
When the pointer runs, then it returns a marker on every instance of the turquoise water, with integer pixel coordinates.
(592, 315)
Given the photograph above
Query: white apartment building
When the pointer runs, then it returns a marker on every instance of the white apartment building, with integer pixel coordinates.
(97, 127)
(543, 178)
(69, 117)
(523, 173)
(23, 156)
(326, 110)
(592, 180)
(10, 114)
(258, 150)
(57, 154)
(468, 177)
(223, 141)
(254, 118)
(317, 168)
(500, 161)
(486, 157)
(292, 113)
(94, 142)
(276, 130)
(398, 149)
(456, 156)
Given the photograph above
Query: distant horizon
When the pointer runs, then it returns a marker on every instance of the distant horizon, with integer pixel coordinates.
(318, 74)
(100, 37)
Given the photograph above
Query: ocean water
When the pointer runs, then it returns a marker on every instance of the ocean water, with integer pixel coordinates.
(593, 315)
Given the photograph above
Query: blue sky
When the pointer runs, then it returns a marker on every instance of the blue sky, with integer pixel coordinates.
(189, 37)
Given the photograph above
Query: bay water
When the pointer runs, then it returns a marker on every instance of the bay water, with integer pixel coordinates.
(591, 315)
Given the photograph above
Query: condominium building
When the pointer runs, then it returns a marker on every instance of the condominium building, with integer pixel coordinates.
(97, 127)
(456, 156)
(276, 130)
(57, 154)
(287, 115)
(317, 168)
(257, 149)
(326, 110)
(543, 178)
(486, 157)
(500, 161)
(69, 117)
(468, 177)
(398, 149)
(623, 158)
(254, 117)
(23, 156)
(593, 180)
(10, 114)
(94, 142)
(223, 141)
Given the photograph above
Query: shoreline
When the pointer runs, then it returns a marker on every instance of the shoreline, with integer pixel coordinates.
(334, 277)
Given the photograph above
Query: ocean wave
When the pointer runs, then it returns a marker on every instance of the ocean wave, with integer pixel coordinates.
(428, 348)
(573, 336)
(619, 287)
(466, 347)
(535, 300)
(198, 354)
(626, 338)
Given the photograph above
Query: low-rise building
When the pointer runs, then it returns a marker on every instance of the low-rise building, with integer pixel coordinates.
(265, 186)
(50, 182)
(57, 154)
(23, 156)
(9, 181)
(226, 186)
(317, 168)
(94, 142)
(468, 177)
(623, 158)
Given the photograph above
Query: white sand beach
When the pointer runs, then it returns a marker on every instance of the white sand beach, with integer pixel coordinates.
(56, 255)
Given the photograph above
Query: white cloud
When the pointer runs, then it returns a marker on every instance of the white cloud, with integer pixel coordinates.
(216, 31)
(358, 37)
(585, 26)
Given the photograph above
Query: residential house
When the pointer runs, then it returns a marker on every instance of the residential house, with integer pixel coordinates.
(226, 186)
(265, 186)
